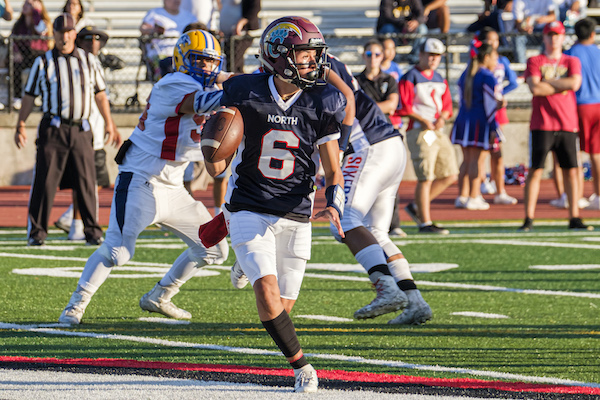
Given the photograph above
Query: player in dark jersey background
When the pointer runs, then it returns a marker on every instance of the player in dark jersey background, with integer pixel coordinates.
(289, 121)
(373, 167)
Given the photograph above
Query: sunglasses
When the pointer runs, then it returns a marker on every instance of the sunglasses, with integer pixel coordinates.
(371, 54)
(91, 37)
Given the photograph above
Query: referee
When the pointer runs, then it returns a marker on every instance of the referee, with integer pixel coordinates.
(68, 80)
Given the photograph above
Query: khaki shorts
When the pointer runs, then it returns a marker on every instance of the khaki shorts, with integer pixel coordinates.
(433, 158)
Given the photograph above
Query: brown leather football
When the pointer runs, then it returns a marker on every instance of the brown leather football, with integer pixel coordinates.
(222, 134)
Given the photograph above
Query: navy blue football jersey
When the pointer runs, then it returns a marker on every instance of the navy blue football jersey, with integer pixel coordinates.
(273, 171)
(372, 120)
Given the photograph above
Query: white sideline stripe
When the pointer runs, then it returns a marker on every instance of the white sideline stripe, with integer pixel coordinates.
(591, 239)
(539, 244)
(324, 318)
(82, 259)
(505, 289)
(593, 235)
(167, 321)
(565, 267)
(479, 314)
(75, 272)
(488, 288)
(337, 357)
(504, 242)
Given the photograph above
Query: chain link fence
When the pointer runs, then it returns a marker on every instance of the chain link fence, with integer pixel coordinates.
(130, 74)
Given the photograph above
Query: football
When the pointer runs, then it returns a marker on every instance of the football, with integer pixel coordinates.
(222, 134)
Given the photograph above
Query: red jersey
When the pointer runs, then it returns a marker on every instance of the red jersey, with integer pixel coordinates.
(557, 112)
(424, 95)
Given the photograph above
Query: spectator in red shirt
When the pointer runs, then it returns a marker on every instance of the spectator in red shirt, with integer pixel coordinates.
(553, 78)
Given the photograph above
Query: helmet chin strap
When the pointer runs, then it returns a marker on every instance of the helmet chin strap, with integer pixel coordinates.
(302, 83)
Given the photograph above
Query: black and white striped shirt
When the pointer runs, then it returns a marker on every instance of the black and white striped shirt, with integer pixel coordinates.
(68, 83)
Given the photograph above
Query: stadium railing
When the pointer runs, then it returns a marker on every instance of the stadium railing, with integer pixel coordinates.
(130, 84)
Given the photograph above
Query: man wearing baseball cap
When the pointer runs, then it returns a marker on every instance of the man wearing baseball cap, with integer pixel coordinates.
(553, 78)
(90, 39)
(90, 34)
(426, 100)
(69, 80)
(64, 23)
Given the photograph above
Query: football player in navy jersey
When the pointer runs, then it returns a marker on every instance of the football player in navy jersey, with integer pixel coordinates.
(291, 118)
(373, 166)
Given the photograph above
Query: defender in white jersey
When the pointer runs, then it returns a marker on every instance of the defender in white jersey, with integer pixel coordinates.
(149, 188)
(373, 166)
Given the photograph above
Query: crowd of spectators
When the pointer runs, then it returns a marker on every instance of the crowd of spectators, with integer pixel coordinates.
(383, 79)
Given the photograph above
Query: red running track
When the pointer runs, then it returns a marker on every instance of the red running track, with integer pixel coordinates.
(14, 200)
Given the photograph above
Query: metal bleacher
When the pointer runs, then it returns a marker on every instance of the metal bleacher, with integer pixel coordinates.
(347, 24)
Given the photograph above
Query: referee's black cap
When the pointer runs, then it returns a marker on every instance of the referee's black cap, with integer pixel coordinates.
(64, 22)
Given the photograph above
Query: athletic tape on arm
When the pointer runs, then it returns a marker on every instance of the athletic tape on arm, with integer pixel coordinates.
(336, 198)
(205, 102)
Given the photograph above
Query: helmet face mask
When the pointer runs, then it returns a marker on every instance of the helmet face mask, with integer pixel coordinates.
(280, 44)
(198, 54)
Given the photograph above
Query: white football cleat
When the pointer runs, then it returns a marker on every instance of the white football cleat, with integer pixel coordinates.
(306, 380)
(74, 311)
(418, 311)
(389, 299)
(238, 277)
(158, 300)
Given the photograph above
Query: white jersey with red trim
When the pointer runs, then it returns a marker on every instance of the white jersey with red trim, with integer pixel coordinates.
(162, 131)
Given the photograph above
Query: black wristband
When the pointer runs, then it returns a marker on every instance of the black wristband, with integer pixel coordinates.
(345, 137)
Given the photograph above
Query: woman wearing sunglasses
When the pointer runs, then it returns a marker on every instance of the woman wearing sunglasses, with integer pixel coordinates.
(378, 85)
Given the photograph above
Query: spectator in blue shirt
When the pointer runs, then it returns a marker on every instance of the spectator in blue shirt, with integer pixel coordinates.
(588, 99)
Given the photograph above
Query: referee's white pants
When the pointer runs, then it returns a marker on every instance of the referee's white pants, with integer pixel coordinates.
(371, 179)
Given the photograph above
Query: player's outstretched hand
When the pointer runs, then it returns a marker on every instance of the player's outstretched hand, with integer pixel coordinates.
(332, 215)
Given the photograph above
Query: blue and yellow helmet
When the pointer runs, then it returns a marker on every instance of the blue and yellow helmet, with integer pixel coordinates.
(192, 46)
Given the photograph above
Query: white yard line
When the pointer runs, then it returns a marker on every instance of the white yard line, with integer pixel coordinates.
(488, 288)
(479, 315)
(337, 357)
(71, 272)
(574, 267)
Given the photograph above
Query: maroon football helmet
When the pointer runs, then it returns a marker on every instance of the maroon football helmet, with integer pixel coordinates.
(279, 42)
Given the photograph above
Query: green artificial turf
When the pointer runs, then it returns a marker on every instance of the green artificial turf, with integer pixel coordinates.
(544, 334)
